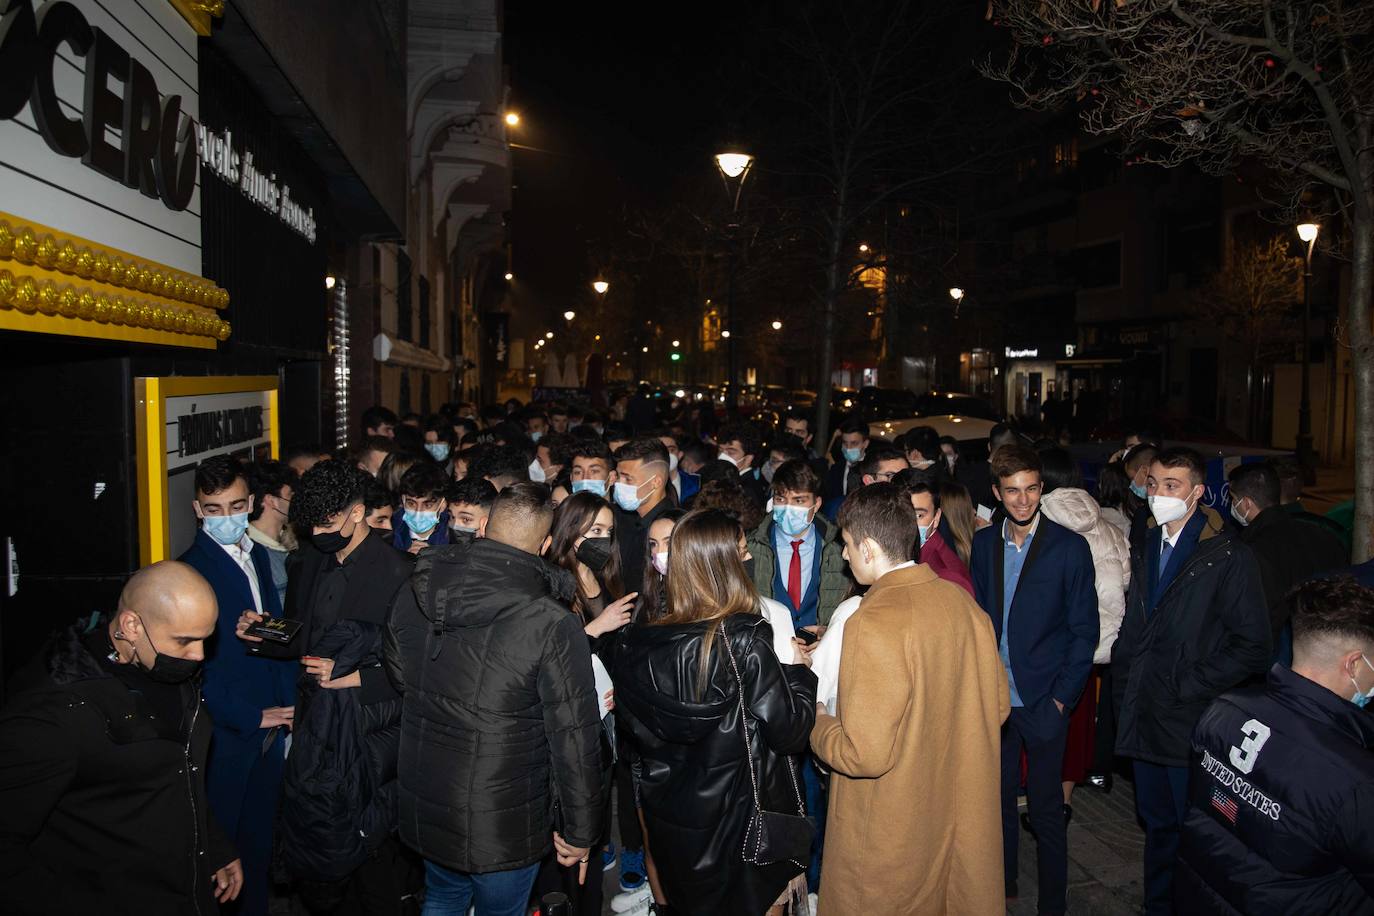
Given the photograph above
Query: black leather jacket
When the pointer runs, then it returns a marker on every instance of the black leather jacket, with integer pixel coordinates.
(695, 785)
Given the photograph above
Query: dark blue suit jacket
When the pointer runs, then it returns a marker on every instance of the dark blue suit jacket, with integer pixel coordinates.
(1052, 628)
(238, 685)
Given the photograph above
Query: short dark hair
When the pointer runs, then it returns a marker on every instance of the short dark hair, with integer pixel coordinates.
(1001, 434)
(701, 452)
(1058, 470)
(383, 444)
(877, 453)
(558, 410)
(922, 485)
(377, 415)
(923, 439)
(746, 434)
(376, 496)
(1136, 455)
(327, 489)
(473, 491)
(1257, 481)
(496, 461)
(219, 473)
(644, 448)
(1181, 457)
(589, 448)
(1338, 606)
(1146, 434)
(521, 515)
(789, 447)
(882, 513)
(424, 480)
(855, 426)
(560, 446)
(1010, 460)
(268, 478)
(796, 476)
(798, 414)
(301, 450)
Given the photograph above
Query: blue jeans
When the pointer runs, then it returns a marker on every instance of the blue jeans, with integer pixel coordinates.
(497, 893)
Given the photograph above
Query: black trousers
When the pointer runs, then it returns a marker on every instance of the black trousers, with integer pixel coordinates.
(1041, 730)
(1104, 751)
(378, 887)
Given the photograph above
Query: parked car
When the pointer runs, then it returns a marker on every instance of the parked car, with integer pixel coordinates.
(938, 403)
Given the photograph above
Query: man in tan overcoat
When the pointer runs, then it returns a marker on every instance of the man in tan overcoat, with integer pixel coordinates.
(913, 747)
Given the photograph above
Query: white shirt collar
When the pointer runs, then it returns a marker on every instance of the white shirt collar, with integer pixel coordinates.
(1034, 525)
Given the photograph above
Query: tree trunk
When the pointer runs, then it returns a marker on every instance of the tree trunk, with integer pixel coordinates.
(821, 442)
(1362, 367)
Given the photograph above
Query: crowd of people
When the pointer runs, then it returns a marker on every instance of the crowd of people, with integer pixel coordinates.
(426, 674)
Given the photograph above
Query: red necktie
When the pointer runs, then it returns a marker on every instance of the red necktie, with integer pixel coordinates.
(794, 576)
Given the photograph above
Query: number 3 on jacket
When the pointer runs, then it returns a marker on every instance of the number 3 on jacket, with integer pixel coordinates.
(1256, 733)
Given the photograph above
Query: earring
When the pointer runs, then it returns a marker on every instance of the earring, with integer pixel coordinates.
(119, 634)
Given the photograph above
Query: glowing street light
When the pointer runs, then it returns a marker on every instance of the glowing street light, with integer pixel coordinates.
(1306, 459)
(645, 350)
(863, 248)
(1308, 231)
(600, 286)
(777, 325)
(329, 282)
(677, 343)
(510, 276)
(733, 165)
(549, 336)
(569, 315)
(956, 294)
(725, 334)
(512, 119)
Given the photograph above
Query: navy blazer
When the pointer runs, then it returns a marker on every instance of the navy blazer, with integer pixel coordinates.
(1052, 628)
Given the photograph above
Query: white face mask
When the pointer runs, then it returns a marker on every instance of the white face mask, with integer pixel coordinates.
(537, 472)
(1168, 509)
(1238, 515)
(660, 562)
(672, 462)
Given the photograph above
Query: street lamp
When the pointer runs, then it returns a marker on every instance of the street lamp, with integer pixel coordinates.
(957, 295)
(777, 325)
(863, 248)
(600, 286)
(512, 119)
(734, 169)
(549, 336)
(1308, 233)
(569, 315)
(510, 276)
(677, 343)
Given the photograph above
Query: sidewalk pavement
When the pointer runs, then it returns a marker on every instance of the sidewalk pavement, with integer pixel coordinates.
(1106, 852)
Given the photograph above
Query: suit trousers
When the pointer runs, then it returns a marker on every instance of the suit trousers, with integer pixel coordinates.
(1161, 799)
(1041, 730)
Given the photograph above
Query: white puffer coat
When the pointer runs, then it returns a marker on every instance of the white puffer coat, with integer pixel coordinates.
(1076, 510)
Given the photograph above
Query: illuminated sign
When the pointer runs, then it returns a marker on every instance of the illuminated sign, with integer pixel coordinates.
(1031, 353)
(242, 169)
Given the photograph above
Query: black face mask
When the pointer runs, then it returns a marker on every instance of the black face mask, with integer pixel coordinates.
(168, 669)
(594, 553)
(1019, 524)
(332, 541)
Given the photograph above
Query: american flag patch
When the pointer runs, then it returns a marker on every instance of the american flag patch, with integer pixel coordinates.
(1225, 804)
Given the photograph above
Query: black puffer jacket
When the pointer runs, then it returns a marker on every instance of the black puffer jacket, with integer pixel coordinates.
(1207, 633)
(500, 738)
(695, 784)
(1282, 804)
(339, 790)
(102, 802)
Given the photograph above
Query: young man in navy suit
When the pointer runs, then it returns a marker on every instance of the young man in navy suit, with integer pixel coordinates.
(1035, 579)
(251, 698)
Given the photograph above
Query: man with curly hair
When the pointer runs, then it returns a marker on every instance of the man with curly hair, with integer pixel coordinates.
(347, 711)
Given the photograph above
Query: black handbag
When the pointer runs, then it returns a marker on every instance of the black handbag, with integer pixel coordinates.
(770, 836)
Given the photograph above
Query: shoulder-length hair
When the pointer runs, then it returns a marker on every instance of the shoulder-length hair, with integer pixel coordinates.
(706, 578)
(572, 519)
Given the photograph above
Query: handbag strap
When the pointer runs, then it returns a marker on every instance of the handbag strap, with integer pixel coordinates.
(744, 730)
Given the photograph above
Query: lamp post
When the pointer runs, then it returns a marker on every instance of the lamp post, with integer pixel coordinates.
(734, 169)
(957, 295)
(1308, 233)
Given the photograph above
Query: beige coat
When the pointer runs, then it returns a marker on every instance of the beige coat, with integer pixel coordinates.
(914, 822)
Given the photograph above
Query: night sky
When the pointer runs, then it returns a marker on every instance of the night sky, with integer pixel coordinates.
(626, 104)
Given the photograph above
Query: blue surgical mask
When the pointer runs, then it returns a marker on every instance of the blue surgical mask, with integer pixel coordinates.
(1362, 699)
(792, 520)
(1138, 489)
(852, 455)
(437, 450)
(420, 522)
(590, 486)
(536, 436)
(226, 529)
(627, 497)
(925, 533)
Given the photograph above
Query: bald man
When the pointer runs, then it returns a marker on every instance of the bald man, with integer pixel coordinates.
(102, 762)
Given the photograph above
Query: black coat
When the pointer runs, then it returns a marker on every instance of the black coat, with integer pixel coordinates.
(500, 733)
(1289, 552)
(695, 784)
(1207, 634)
(1302, 841)
(102, 802)
(339, 790)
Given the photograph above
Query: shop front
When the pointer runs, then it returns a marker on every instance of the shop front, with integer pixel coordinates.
(1031, 378)
(163, 246)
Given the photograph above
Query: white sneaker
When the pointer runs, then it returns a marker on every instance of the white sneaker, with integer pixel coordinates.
(812, 901)
(633, 903)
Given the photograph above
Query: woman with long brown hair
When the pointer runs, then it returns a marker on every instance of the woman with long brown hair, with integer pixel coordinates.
(957, 506)
(717, 720)
(584, 544)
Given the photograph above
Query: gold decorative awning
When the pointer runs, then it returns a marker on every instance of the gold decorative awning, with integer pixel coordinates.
(52, 283)
(199, 13)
